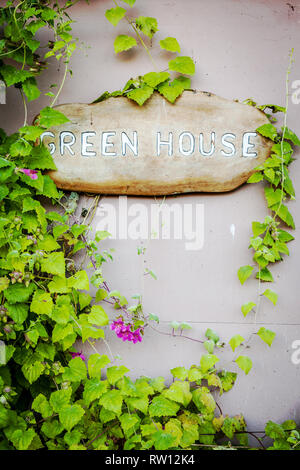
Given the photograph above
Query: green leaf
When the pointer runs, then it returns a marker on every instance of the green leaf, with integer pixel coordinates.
(112, 401)
(212, 335)
(155, 78)
(207, 361)
(30, 89)
(76, 370)
(170, 44)
(161, 406)
(271, 295)
(80, 281)
(41, 303)
(70, 415)
(180, 392)
(42, 406)
(60, 399)
(147, 25)
(265, 275)
(244, 363)
(274, 430)
(268, 130)
(4, 283)
(290, 135)
(115, 373)
(246, 308)
(124, 43)
(185, 82)
(32, 370)
(235, 341)
(51, 429)
(129, 2)
(93, 389)
(54, 264)
(266, 335)
(114, 15)
(182, 64)
(273, 197)
(96, 363)
(244, 273)
(258, 228)
(256, 177)
(209, 345)
(170, 91)
(283, 212)
(51, 117)
(11, 75)
(22, 439)
(129, 422)
(98, 316)
(61, 332)
(179, 372)
(18, 312)
(140, 95)
(163, 440)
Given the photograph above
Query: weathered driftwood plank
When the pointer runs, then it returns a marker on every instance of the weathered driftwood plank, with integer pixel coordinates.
(202, 143)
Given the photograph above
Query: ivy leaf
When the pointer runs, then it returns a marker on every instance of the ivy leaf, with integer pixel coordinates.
(93, 389)
(129, 2)
(290, 135)
(112, 401)
(22, 439)
(265, 275)
(147, 25)
(258, 228)
(76, 370)
(80, 281)
(30, 88)
(18, 312)
(271, 295)
(274, 430)
(283, 212)
(161, 406)
(96, 363)
(11, 75)
(273, 197)
(51, 429)
(207, 361)
(124, 43)
(114, 15)
(54, 264)
(179, 372)
(170, 44)
(42, 406)
(32, 370)
(163, 440)
(170, 91)
(244, 273)
(140, 95)
(18, 293)
(266, 335)
(256, 177)
(212, 335)
(155, 78)
(182, 64)
(41, 303)
(70, 415)
(115, 373)
(246, 308)
(51, 117)
(268, 130)
(60, 398)
(209, 345)
(185, 82)
(235, 341)
(244, 363)
(98, 316)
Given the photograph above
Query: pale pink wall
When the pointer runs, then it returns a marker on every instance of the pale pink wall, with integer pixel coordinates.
(241, 50)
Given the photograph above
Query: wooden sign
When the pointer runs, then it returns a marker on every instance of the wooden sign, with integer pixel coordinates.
(202, 143)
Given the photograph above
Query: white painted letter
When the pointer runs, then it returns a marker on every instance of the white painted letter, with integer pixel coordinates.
(229, 145)
(212, 145)
(85, 144)
(63, 144)
(106, 144)
(192, 143)
(247, 145)
(126, 141)
(160, 142)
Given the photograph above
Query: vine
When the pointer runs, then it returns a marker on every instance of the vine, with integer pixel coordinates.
(51, 397)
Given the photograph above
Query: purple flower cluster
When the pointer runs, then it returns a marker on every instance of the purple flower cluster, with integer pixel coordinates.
(78, 354)
(31, 173)
(124, 331)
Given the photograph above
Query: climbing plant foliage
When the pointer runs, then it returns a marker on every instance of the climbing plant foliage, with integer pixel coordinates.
(51, 396)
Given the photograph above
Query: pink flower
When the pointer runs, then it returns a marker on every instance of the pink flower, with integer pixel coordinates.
(31, 173)
(125, 331)
(78, 354)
